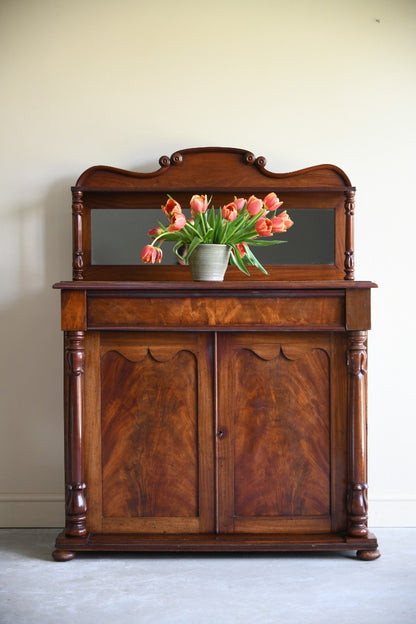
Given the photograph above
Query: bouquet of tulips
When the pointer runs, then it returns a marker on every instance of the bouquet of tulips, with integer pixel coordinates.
(238, 224)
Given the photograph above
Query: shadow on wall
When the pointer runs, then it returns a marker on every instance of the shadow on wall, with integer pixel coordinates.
(31, 445)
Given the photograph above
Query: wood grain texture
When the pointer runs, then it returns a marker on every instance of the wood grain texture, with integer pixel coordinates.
(358, 309)
(214, 312)
(155, 461)
(281, 433)
(149, 421)
(275, 414)
(73, 310)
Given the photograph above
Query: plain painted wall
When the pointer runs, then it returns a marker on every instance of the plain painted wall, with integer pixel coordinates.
(121, 83)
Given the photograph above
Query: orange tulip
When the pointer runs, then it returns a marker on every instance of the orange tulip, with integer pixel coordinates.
(151, 255)
(178, 222)
(171, 207)
(230, 212)
(282, 222)
(264, 227)
(199, 204)
(254, 205)
(272, 202)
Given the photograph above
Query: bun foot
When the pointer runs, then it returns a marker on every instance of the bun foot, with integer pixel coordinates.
(63, 555)
(368, 555)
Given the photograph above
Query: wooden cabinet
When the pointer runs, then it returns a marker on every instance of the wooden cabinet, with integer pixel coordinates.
(213, 416)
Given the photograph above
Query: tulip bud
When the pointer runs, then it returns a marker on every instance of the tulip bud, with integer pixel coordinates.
(154, 232)
(272, 202)
(199, 204)
(241, 248)
(240, 202)
(254, 205)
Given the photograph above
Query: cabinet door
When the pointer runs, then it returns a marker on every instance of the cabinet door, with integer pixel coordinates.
(281, 432)
(149, 432)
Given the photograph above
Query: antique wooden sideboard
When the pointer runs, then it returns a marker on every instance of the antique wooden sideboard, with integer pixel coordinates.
(215, 416)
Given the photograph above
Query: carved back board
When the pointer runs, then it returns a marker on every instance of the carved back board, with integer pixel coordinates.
(319, 199)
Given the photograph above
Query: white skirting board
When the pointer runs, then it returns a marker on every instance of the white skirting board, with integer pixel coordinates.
(47, 509)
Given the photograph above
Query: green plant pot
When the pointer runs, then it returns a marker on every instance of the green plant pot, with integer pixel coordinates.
(209, 262)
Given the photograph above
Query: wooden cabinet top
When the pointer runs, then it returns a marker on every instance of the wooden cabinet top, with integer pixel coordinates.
(299, 306)
(195, 288)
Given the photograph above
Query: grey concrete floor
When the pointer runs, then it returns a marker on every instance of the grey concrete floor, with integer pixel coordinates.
(128, 588)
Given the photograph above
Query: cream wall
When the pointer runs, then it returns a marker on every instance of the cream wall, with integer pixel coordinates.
(121, 83)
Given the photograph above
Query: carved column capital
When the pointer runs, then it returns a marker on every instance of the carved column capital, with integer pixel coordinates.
(74, 353)
(357, 353)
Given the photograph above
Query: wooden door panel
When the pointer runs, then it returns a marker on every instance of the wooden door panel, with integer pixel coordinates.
(281, 428)
(149, 429)
(274, 459)
(156, 432)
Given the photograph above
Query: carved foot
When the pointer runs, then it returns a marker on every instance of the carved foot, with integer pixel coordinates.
(368, 555)
(63, 555)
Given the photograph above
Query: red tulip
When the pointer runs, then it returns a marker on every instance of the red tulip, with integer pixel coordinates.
(282, 222)
(230, 212)
(155, 232)
(264, 227)
(171, 207)
(199, 204)
(272, 202)
(241, 248)
(254, 205)
(178, 222)
(151, 255)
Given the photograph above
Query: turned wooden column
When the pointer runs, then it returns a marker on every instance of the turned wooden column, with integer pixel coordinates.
(349, 234)
(76, 506)
(77, 233)
(357, 433)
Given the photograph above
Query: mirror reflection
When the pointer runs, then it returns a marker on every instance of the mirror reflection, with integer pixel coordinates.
(118, 236)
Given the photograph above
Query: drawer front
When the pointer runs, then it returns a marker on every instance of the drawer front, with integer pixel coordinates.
(242, 312)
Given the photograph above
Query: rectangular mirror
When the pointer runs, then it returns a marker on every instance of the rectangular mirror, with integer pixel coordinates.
(118, 236)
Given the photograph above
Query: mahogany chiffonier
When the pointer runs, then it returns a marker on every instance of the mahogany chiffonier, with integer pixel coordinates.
(215, 416)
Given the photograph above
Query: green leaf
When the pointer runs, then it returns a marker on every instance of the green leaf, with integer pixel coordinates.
(217, 235)
(253, 260)
(194, 244)
(176, 248)
(211, 217)
(259, 242)
(237, 260)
